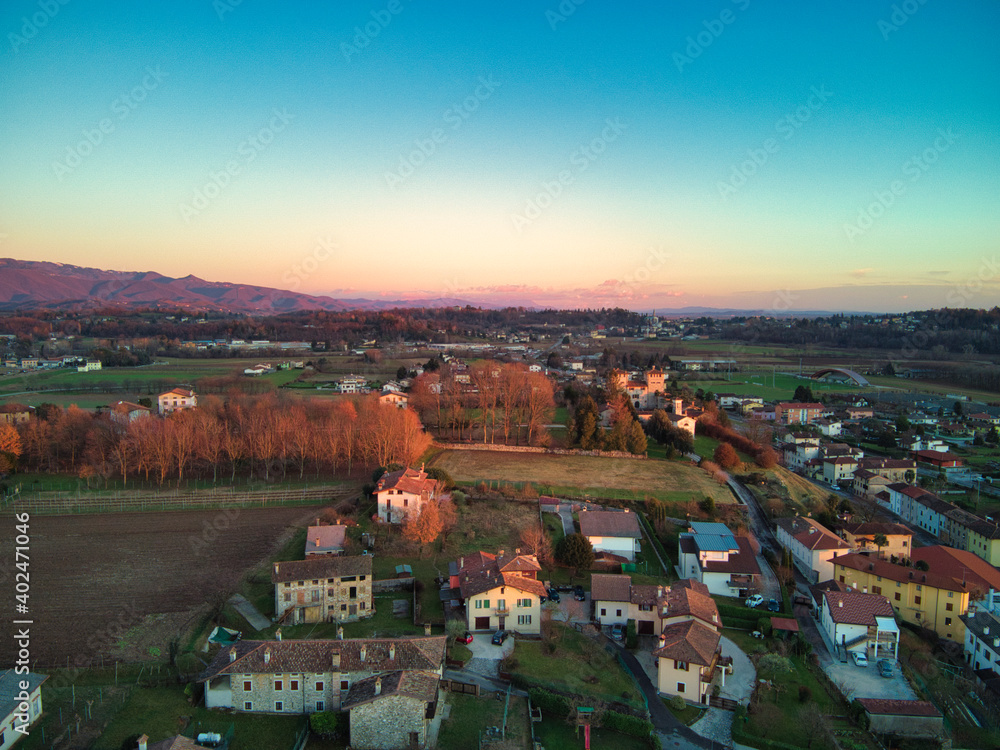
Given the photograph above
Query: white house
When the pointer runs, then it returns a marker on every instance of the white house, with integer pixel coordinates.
(176, 399)
(982, 640)
(612, 531)
(725, 563)
(865, 623)
(20, 704)
(811, 545)
(403, 492)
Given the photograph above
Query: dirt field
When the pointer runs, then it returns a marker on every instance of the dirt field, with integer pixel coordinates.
(123, 584)
(598, 476)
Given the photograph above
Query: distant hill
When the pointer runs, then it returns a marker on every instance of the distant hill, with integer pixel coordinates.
(33, 285)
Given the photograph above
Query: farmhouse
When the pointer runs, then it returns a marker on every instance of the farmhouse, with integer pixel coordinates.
(123, 413)
(711, 554)
(394, 398)
(403, 492)
(811, 545)
(392, 710)
(857, 622)
(176, 399)
(612, 531)
(499, 592)
(305, 676)
(15, 414)
(323, 588)
(11, 699)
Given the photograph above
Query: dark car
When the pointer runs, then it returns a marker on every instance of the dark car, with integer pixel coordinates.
(579, 594)
(553, 595)
(884, 667)
(465, 638)
(618, 631)
(773, 605)
(499, 637)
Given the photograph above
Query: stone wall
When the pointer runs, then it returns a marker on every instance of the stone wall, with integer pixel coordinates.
(386, 723)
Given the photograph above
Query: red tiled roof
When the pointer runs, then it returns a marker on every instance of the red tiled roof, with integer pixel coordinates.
(789, 624)
(893, 707)
(959, 565)
(481, 572)
(901, 573)
(870, 528)
(856, 608)
(321, 566)
(811, 534)
(414, 684)
(690, 641)
(605, 587)
(414, 481)
(323, 538)
(745, 561)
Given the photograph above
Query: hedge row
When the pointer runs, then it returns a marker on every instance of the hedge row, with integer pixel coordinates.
(550, 703)
(631, 725)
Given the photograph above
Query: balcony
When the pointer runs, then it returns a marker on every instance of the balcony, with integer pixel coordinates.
(503, 611)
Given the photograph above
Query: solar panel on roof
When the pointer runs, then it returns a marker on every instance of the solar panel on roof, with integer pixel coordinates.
(710, 527)
(715, 542)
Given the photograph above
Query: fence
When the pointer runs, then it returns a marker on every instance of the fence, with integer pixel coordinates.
(67, 503)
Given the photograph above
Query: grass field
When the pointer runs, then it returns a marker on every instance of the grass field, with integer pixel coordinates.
(624, 478)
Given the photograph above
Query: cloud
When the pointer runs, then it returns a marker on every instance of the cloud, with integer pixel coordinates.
(860, 273)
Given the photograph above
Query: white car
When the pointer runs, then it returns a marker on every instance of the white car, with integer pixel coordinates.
(860, 659)
(754, 601)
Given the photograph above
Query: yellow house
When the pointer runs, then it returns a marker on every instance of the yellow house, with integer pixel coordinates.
(984, 541)
(687, 659)
(861, 536)
(927, 598)
(500, 592)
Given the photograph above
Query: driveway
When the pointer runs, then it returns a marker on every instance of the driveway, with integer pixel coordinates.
(486, 657)
(568, 609)
(717, 723)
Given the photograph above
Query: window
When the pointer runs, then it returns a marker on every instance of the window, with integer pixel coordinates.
(898, 584)
(680, 687)
(947, 621)
(406, 502)
(604, 612)
(951, 594)
(898, 597)
(361, 578)
(501, 604)
(279, 685)
(247, 686)
(878, 578)
(279, 706)
(904, 544)
(293, 684)
(949, 607)
(362, 605)
(876, 589)
(916, 600)
(919, 587)
(842, 579)
(681, 665)
(524, 619)
(320, 706)
(247, 706)
(618, 613)
(319, 686)
(315, 595)
(302, 583)
(288, 597)
(344, 685)
(348, 579)
(343, 607)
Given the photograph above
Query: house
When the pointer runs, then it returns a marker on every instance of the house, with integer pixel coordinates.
(394, 398)
(499, 592)
(829, 427)
(403, 492)
(687, 660)
(612, 531)
(925, 598)
(711, 554)
(861, 536)
(982, 640)
(91, 365)
(617, 600)
(352, 384)
(20, 704)
(323, 588)
(789, 412)
(980, 578)
(893, 469)
(124, 413)
(296, 677)
(392, 710)
(858, 622)
(15, 414)
(837, 469)
(811, 545)
(325, 540)
(176, 399)
(903, 717)
(868, 484)
(938, 460)
(983, 540)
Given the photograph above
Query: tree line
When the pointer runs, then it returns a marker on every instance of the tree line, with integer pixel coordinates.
(268, 437)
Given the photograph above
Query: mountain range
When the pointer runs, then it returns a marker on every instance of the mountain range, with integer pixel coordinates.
(35, 285)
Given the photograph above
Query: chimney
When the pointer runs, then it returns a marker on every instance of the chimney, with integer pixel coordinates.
(461, 563)
(986, 630)
(277, 634)
(378, 686)
(317, 542)
(427, 628)
(500, 553)
(232, 654)
(276, 568)
(840, 602)
(392, 651)
(267, 655)
(142, 742)
(340, 632)
(335, 661)
(364, 651)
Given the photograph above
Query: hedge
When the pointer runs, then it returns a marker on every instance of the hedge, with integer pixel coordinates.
(626, 724)
(550, 703)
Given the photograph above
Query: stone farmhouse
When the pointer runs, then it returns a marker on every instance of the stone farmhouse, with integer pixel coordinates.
(323, 588)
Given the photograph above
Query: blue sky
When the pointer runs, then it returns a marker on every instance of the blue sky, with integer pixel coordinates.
(843, 155)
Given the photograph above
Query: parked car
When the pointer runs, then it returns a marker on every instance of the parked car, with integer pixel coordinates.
(884, 667)
(553, 595)
(465, 638)
(754, 601)
(618, 631)
(860, 658)
(773, 605)
(499, 637)
(579, 594)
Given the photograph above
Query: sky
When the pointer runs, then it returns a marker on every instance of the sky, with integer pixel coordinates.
(732, 153)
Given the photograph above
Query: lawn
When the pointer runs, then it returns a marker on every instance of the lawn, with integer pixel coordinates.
(622, 478)
(158, 712)
(687, 715)
(470, 716)
(577, 665)
(556, 734)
